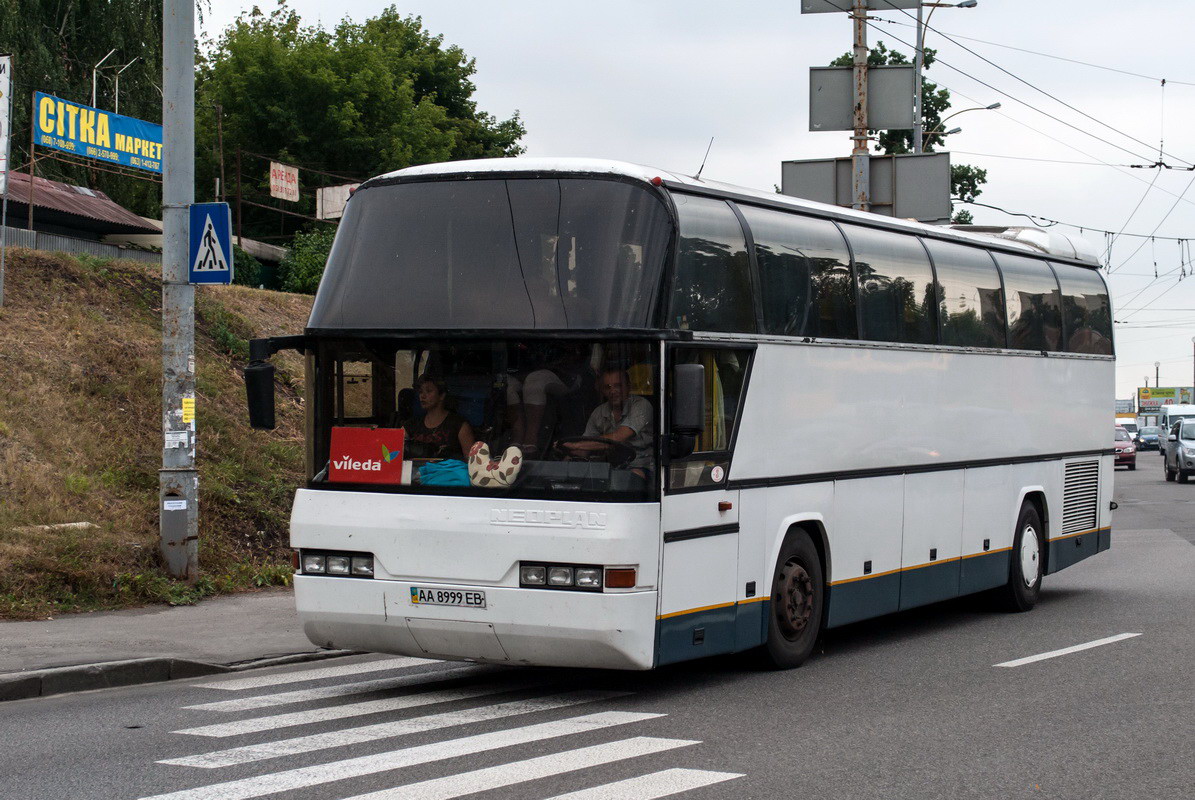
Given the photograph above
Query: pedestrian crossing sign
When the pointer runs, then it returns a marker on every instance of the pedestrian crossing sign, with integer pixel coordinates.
(210, 258)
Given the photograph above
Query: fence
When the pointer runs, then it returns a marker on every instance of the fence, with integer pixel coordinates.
(36, 240)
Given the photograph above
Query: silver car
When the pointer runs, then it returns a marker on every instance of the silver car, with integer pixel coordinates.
(1179, 456)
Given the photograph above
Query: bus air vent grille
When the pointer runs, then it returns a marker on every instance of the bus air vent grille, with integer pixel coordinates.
(1080, 497)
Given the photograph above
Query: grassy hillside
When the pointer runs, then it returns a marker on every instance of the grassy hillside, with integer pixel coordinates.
(80, 437)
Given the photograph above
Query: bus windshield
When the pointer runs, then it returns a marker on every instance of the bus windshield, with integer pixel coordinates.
(519, 253)
(579, 417)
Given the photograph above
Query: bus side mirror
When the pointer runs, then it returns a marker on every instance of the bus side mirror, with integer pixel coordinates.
(259, 391)
(688, 407)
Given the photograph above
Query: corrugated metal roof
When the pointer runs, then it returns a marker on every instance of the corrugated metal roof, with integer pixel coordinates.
(75, 201)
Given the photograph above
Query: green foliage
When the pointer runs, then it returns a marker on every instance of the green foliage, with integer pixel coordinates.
(246, 270)
(358, 100)
(303, 266)
(962, 217)
(965, 180)
(54, 47)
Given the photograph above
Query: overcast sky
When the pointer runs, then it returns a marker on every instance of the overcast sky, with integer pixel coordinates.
(651, 82)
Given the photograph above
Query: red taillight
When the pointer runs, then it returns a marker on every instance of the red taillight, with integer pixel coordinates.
(620, 579)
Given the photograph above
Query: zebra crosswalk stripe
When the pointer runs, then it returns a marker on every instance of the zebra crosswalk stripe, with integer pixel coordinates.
(482, 780)
(314, 674)
(340, 690)
(305, 777)
(387, 730)
(648, 787)
(276, 721)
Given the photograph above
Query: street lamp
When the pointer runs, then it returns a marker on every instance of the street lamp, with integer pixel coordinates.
(1157, 366)
(918, 126)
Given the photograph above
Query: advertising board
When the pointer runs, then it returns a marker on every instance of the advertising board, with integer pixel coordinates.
(100, 135)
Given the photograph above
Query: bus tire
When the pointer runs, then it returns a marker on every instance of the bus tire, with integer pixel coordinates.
(797, 603)
(1025, 571)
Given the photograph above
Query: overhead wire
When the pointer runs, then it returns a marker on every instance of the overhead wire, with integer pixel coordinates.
(1036, 88)
(1053, 56)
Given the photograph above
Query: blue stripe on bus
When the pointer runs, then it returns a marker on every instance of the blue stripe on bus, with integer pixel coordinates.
(726, 629)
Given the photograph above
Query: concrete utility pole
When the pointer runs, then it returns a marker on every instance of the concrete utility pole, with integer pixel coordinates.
(919, 58)
(178, 479)
(860, 165)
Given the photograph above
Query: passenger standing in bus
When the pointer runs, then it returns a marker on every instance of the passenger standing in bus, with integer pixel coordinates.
(439, 433)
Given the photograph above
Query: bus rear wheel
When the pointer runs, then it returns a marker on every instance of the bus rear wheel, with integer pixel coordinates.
(797, 602)
(1025, 572)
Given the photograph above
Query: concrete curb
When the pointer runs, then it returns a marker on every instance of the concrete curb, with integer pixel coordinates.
(110, 674)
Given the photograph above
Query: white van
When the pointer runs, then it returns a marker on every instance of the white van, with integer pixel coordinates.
(1168, 415)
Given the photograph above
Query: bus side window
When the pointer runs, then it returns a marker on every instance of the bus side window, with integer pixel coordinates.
(1034, 303)
(971, 304)
(1086, 310)
(805, 275)
(897, 298)
(725, 374)
(712, 288)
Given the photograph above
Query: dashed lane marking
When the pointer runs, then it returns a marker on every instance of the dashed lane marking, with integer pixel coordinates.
(1020, 662)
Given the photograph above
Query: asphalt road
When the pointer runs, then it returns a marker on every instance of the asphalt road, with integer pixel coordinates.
(910, 706)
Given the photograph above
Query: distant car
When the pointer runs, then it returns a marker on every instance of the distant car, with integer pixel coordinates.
(1126, 453)
(1179, 458)
(1147, 437)
(1128, 425)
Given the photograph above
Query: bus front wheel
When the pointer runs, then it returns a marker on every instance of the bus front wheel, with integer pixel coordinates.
(1024, 578)
(798, 595)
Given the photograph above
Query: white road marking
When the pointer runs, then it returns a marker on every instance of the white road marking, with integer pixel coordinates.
(482, 780)
(258, 724)
(339, 690)
(257, 681)
(648, 787)
(386, 730)
(305, 777)
(1067, 650)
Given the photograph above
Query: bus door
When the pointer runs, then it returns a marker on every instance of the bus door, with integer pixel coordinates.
(699, 563)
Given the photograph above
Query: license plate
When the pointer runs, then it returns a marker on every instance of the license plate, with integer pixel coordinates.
(467, 598)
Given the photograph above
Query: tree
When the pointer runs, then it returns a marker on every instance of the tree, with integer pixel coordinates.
(357, 100)
(54, 47)
(965, 180)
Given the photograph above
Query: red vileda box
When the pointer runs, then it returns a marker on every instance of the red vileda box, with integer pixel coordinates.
(366, 455)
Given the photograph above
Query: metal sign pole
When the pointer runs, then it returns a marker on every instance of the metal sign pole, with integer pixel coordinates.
(5, 135)
(178, 479)
(860, 172)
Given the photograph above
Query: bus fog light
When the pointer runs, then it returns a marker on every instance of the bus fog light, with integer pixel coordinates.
(589, 577)
(338, 565)
(363, 565)
(313, 564)
(620, 579)
(560, 576)
(533, 576)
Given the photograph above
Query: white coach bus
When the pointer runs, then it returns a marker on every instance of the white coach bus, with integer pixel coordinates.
(585, 413)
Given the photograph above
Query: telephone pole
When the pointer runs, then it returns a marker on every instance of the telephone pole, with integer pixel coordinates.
(860, 164)
(178, 480)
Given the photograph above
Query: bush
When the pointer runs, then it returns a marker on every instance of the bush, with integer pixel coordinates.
(246, 270)
(304, 264)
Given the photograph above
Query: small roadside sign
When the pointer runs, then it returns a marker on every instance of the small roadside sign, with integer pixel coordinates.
(210, 256)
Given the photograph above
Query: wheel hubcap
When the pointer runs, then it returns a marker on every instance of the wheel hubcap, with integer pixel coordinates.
(1030, 556)
(793, 600)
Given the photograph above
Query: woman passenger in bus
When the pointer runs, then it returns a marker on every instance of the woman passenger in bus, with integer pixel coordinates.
(439, 433)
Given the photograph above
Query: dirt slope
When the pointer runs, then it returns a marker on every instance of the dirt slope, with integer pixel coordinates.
(80, 437)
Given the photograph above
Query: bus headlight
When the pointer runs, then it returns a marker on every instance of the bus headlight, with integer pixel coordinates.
(560, 576)
(313, 564)
(333, 564)
(338, 565)
(533, 576)
(588, 577)
(363, 565)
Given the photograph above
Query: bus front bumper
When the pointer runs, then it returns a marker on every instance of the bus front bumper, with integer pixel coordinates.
(540, 627)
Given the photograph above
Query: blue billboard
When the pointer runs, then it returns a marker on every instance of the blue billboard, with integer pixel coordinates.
(91, 133)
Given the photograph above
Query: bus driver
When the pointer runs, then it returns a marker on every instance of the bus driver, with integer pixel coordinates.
(624, 418)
